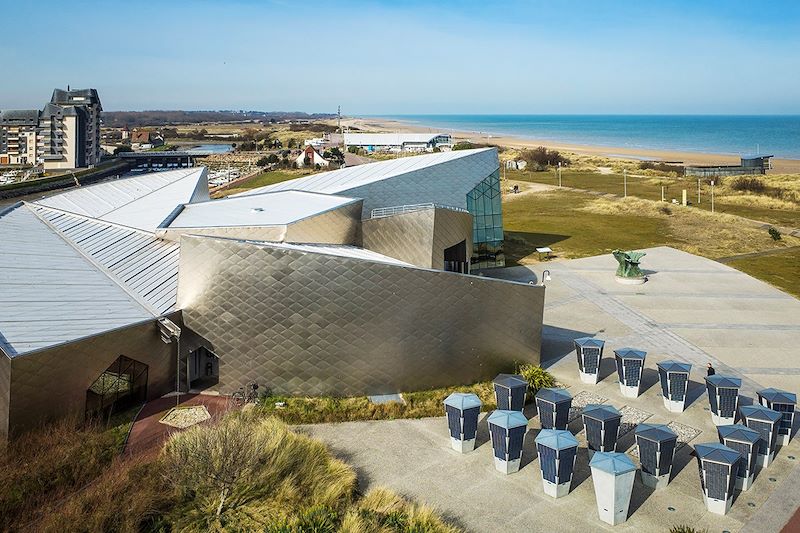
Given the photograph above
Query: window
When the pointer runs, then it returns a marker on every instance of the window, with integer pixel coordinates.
(484, 202)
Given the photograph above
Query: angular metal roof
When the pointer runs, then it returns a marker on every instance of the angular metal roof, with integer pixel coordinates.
(556, 439)
(674, 366)
(759, 412)
(778, 396)
(724, 382)
(267, 209)
(483, 161)
(554, 395)
(599, 411)
(49, 292)
(463, 400)
(630, 353)
(738, 432)
(510, 380)
(717, 452)
(612, 462)
(146, 266)
(142, 202)
(341, 250)
(590, 341)
(507, 419)
(655, 432)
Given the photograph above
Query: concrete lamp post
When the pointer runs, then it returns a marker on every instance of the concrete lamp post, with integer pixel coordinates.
(612, 475)
(507, 429)
(590, 353)
(462, 411)
(557, 450)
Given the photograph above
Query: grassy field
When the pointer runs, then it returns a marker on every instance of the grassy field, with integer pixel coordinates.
(781, 270)
(761, 207)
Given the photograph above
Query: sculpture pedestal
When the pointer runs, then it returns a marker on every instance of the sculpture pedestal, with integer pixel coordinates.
(631, 281)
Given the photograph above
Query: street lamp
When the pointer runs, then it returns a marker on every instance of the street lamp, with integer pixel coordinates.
(545, 277)
(712, 196)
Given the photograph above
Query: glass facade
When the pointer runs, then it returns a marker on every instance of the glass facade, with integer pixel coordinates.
(484, 202)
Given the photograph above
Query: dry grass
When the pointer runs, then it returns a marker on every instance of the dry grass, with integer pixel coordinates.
(695, 231)
(384, 511)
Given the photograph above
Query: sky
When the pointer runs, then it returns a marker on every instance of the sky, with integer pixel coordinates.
(408, 57)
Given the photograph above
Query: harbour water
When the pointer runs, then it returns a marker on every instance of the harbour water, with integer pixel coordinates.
(778, 135)
(213, 148)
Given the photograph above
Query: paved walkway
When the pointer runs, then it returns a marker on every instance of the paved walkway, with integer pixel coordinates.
(148, 433)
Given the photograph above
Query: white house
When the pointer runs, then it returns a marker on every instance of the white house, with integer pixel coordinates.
(313, 157)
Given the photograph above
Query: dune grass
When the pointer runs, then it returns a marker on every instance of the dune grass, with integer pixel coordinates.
(781, 269)
(285, 483)
(262, 180)
(577, 224)
(763, 207)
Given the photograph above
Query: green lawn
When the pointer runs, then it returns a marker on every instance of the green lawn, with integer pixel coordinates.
(780, 269)
(550, 220)
(650, 189)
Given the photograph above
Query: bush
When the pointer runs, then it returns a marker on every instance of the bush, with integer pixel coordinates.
(537, 377)
(749, 185)
(541, 158)
(680, 170)
(685, 529)
(774, 233)
(385, 511)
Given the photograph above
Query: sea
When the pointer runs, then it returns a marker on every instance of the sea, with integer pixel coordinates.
(777, 135)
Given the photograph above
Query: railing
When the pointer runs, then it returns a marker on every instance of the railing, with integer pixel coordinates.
(380, 212)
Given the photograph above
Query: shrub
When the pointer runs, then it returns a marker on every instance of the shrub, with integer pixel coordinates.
(537, 377)
(680, 170)
(774, 233)
(541, 158)
(749, 185)
(685, 529)
(383, 510)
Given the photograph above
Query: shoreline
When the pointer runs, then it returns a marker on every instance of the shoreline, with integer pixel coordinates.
(780, 166)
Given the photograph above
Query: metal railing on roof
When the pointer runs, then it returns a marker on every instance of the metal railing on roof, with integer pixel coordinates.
(380, 212)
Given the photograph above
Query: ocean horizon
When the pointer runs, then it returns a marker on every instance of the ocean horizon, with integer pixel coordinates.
(777, 135)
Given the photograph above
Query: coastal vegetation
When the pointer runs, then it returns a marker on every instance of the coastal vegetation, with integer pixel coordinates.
(241, 472)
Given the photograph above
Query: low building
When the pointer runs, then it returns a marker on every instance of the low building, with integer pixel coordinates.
(750, 164)
(399, 142)
(304, 289)
(145, 140)
(309, 157)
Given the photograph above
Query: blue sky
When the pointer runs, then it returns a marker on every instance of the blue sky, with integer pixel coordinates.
(593, 56)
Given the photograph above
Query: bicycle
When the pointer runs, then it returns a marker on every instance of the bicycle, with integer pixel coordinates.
(245, 394)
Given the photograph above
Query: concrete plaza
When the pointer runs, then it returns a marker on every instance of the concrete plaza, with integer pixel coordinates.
(691, 309)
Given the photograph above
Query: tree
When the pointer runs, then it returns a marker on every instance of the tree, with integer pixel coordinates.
(540, 158)
(272, 158)
(292, 143)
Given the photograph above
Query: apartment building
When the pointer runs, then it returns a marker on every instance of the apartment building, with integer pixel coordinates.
(65, 134)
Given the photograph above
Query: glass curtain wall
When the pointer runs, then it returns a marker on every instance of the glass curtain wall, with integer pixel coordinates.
(484, 202)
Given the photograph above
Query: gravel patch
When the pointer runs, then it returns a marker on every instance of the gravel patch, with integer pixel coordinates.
(581, 400)
(685, 433)
(631, 417)
(184, 417)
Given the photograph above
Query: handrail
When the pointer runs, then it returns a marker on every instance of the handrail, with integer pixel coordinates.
(380, 212)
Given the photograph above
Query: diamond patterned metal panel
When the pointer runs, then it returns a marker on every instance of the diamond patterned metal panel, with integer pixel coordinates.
(52, 383)
(311, 323)
(418, 237)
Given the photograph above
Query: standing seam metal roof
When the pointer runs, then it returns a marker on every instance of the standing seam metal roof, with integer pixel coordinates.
(145, 265)
(50, 293)
(337, 181)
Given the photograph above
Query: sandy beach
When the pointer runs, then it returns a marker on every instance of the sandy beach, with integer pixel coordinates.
(783, 166)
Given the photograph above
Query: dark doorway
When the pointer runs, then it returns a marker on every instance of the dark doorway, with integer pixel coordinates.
(120, 387)
(203, 369)
(455, 258)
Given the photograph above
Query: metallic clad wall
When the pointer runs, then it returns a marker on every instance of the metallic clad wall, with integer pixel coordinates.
(5, 392)
(307, 323)
(52, 383)
(336, 226)
(418, 237)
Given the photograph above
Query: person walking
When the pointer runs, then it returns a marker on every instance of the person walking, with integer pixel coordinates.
(711, 370)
